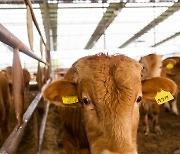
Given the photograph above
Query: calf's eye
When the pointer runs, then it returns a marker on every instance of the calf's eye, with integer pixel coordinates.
(86, 101)
(139, 99)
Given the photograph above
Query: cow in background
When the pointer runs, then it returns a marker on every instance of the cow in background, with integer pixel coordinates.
(41, 76)
(106, 92)
(26, 77)
(171, 69)
(152, 64)
(60, 72)
(4, 105)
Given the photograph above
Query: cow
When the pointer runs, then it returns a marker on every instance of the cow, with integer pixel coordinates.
(41, 76)
(104, 119)
(171, 69)
(152, 64)
(26, 79)
(26, 75)
(4, 105)
(60, 72)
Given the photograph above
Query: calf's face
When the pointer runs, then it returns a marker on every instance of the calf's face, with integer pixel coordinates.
(151, 66)
(109, 92)
(173, 72)
(106, 88)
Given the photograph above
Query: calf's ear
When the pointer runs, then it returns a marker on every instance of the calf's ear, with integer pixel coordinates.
(58, 89)
(168, 61)
(151, 86)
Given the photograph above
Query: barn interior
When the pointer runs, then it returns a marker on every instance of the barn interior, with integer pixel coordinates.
(53, 34)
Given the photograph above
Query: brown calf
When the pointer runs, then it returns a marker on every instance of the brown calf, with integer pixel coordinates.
(4, 105)
(26, 76)
(152, 64)
(105, 119)
(60, 72)
(171, 69)
(151, 68)
(41, 76)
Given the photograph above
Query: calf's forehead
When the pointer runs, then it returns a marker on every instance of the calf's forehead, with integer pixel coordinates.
(106, 64)
(152, 58)
(106, 71)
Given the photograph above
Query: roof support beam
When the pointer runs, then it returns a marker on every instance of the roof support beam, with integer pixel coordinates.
(170, 11)
(108, 17)
(52, 15)
(16, 1)
(167, 39)
(41, 1)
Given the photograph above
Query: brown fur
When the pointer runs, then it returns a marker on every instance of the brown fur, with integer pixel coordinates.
(41, 76)
(173, 74)
(151, 68)
(60, 72)
(109, 122)
(147, 89)
(26, 76)
(4, 105)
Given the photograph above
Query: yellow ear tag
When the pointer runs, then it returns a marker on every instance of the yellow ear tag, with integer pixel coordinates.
(170, 66)
(69, 99)
(163, 97)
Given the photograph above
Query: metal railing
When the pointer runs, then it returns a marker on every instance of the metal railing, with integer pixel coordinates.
(13, 141)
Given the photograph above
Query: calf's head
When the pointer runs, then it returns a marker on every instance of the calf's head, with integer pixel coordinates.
(151, 66)
(171, 69)
(109, 91)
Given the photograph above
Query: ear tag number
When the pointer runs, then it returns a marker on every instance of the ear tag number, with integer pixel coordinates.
(69, 99)
(169, 66)
(163, 97)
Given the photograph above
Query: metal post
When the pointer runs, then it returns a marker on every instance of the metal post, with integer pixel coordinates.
(18, 86)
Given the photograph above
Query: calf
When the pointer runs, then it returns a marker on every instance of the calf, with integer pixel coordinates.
(151, 68)
(26, 78)
(4, 105)
(171, 69)
(41, 76)
(60, 72)
(152, 64)
(105, 117)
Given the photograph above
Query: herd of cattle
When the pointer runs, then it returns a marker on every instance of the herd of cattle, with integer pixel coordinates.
(99, 100)
(6, 95)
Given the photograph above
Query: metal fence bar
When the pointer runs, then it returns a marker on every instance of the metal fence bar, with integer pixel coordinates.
(35, 114)
(11, 144)
(36, 129)
(11, 40)
(18, 86)
(29, 27)
(43, 124)
(14, 139)
(28, 2)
